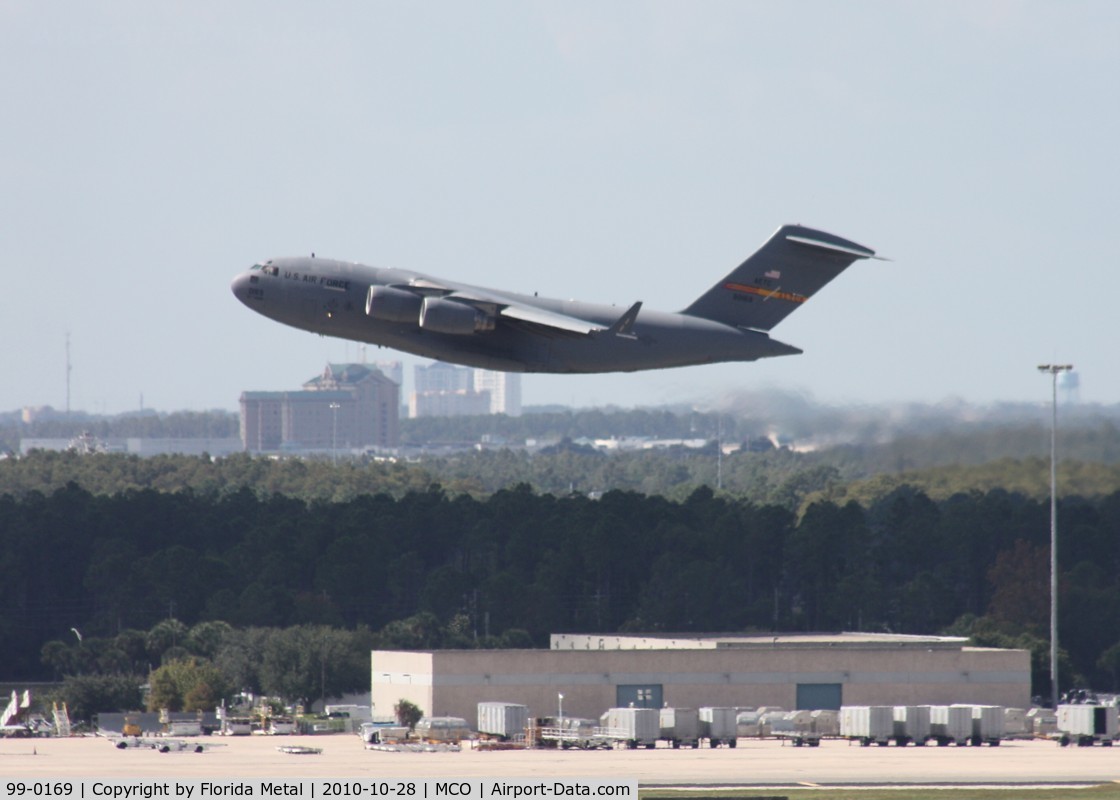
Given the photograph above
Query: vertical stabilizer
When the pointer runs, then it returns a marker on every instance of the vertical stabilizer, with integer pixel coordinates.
(785, 272)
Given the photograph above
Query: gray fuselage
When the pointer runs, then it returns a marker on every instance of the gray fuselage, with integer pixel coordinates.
(329, 298)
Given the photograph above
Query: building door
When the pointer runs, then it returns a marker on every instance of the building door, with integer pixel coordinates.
(638, 695)
(813, 696)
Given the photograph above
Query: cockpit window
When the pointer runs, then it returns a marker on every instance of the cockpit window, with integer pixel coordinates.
(267, 269)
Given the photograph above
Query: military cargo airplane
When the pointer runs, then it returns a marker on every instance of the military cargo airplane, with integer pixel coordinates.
(499, 330)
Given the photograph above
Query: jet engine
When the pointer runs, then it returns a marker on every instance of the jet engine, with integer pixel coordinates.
(447, 316)
(393, 305)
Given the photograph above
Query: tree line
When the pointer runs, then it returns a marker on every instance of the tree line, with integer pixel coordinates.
(774, 477)
(431, 568)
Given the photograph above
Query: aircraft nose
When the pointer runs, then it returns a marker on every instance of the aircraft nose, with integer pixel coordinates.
(240, 287)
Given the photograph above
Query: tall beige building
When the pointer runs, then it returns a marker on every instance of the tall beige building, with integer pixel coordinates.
(444, 390)
(347, 407)
(504, 389)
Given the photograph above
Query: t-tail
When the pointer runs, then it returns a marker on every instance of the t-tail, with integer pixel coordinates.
(790, 268)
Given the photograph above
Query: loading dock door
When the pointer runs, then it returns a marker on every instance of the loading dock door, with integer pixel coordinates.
(813, 696)
(638, 695)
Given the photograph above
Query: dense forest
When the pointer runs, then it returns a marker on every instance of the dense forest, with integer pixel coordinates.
(427, 567)
(772, 477)
(203, 577)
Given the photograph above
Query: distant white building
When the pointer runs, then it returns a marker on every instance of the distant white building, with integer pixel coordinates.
(135, 446)
(444, 390)
(448, 404)
(504, 389)
(441, 377)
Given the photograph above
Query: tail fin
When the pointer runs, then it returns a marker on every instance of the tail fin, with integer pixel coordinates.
(785, 272)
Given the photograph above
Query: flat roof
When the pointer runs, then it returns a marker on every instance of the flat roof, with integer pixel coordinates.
(768, 641)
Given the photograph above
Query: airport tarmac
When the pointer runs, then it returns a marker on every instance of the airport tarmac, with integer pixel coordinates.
(752, 763)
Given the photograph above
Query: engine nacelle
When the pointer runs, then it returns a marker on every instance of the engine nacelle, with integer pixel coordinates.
(447, 316)
(393, 305)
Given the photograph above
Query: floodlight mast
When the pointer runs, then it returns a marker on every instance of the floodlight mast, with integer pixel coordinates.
(1054, 370)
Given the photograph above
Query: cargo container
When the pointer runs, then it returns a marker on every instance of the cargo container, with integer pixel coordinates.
(794, 726)
(442, 729)
(636, 727)
(1042, 722)
(184, 727)
(374, 733)
(680, 726)
(1085, 724)
(719, 726)
(748, 723)
(570, 732)
(768, 719)
(911, 724)
(987, 725)
(950, 725)
(502, 720)
(1015, 724)
(826, 721)
(867, 724)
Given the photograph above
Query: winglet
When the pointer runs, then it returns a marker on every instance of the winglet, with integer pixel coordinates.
(624, 326)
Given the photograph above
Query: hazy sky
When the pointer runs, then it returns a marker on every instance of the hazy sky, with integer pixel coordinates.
(614, 152)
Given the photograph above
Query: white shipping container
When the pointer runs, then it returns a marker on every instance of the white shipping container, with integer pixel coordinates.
(951, 724)
(1099, 722)
(680, 724)
(718, 723)
(502, 719)
(641, 725)
(867, 723)
(911, 724)
(987, 724)
(1015, 722)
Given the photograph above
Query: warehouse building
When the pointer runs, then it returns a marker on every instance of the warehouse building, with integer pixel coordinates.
(347, 407)
(793, 671)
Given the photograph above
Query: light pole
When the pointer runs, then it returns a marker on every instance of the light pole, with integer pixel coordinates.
(334, 432)
(560, 701)
(1054, 370)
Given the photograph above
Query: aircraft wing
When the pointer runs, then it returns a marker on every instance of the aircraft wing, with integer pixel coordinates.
(550, 319)
(506, 306)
